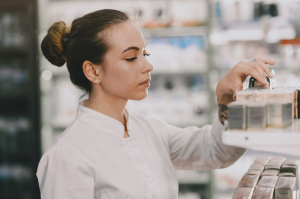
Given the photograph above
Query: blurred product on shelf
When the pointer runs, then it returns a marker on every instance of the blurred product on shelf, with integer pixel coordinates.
(278, 114)
(290, 50)
(177, 54)
(13, 75)
(179, 100)
(11, 34)
(189, 13)
(237, 115)
(260, 115)
(256, 115)
(150, 14)
(246, 29)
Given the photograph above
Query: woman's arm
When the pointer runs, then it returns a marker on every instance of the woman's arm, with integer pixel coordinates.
(194, 148)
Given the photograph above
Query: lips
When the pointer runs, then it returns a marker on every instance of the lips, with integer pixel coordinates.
(145, 83)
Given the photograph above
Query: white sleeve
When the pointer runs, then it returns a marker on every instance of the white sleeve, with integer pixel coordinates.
(63, 174)
(194, 148)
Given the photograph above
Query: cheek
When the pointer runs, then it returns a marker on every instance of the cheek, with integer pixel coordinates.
(121, 79)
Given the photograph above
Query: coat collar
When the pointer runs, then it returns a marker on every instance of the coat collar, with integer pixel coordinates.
(103, 122)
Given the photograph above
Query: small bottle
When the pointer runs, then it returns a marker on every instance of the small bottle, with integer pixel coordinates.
(253, 83)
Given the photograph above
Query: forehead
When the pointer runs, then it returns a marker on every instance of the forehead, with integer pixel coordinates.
(125, 35)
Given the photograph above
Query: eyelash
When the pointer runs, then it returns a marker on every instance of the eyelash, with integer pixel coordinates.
(134, 58)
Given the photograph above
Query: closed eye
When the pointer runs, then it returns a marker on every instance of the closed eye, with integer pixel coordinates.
(131, 59)
(134, 58)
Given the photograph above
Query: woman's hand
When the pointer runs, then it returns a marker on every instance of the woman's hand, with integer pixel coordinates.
(233, 81)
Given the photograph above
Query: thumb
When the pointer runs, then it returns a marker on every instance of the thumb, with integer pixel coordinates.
(237, 89)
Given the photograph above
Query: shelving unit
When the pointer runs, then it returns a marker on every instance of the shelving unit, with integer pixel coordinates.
(19, 100)
(285, 141)
(211, 73)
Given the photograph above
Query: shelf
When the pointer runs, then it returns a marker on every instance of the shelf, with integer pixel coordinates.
(178, 72)
(174, 31)
(282, 69)
(284, 141)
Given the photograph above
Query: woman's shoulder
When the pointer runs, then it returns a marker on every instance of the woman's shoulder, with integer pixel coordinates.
(69, 139)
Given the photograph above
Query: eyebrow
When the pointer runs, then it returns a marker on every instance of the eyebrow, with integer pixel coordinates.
(133, 48)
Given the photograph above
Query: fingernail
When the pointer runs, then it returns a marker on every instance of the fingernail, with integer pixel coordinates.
(267, 83)
(271, 75)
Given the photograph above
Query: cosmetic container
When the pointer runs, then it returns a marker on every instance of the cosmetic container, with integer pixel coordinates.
(276, 160)
(257, 115)
(261, 160)
(280, 95)
(291, 162)
(279, 114)
(253, 172)
(253, 83)
(237, 114)
(295, 101)
(263, 193)
(267, 181)
(270, 173)
(248, 181)
(243, 192)
(265, 187)
(286, 175)
(284, 188)
(252, 94)
(257, 167)
(289, 169)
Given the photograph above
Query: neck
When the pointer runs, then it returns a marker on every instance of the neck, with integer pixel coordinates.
(109, 105)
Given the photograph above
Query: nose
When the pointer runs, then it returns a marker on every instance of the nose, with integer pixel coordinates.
(147, 67)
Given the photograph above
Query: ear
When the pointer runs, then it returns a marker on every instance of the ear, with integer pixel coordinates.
(92, 72)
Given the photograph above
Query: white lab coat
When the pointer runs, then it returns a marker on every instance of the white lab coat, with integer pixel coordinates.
(92, 159)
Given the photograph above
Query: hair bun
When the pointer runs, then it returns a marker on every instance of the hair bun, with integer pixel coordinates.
(52, 44)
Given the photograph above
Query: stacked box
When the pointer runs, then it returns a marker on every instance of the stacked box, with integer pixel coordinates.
(284, 188)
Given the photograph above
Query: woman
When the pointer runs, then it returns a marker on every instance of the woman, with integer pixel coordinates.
(107, 152)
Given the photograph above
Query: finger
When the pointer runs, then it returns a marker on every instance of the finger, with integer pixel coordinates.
(265, 68)
(266, 61)
(254, 73)
(259, 68)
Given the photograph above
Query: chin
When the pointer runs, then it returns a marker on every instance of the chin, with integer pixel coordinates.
(140, 96)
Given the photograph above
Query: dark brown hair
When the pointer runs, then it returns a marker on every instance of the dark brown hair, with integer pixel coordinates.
(87, 39)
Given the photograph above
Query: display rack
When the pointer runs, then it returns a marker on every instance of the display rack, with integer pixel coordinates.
(283, 141)
(19, 100)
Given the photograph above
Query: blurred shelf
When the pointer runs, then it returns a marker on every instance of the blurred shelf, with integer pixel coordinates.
(283, 141)
(175, 31)
(12, 51)
(277, 68)
(192, 177)
(14, 93)
(178, 72)
(64, 73)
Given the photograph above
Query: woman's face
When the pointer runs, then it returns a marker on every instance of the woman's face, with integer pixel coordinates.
(127, 71)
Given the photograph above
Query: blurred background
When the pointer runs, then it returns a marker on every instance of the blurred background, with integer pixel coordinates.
(193, 43)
